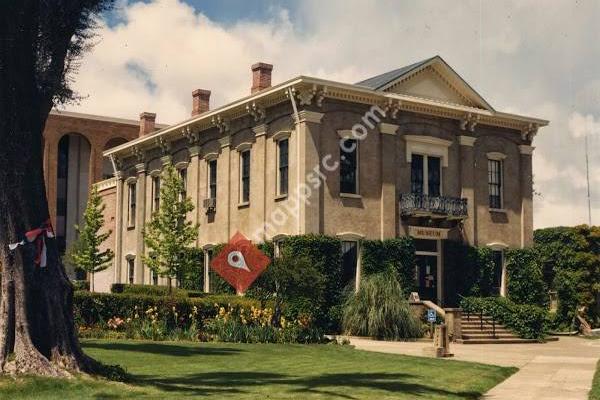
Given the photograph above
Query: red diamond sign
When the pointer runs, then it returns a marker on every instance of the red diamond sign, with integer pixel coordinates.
(240, 263)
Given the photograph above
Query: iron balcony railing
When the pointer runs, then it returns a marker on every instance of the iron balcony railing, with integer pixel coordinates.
(442, 206)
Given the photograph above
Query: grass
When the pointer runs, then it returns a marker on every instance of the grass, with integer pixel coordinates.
(595, 392)
(259, 371)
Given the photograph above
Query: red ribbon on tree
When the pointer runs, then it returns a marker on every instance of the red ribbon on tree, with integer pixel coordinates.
(38, 238)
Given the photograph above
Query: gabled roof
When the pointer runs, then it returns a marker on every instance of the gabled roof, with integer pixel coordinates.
(379, 81)
(386, 81)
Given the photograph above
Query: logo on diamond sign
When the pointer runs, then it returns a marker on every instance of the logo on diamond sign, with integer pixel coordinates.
(240, 262)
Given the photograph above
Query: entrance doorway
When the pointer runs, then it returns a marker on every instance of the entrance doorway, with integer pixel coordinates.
(428, 271)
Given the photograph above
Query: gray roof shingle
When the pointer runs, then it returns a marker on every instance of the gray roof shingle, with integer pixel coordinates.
(379, 81)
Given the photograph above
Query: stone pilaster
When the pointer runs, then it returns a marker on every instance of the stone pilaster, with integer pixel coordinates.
(118, 259)
(140, 215)
(308, 128)
(224, 182)
(467, 183)
(388, 217)
(258, 193)
(193, 193)
(526, 179)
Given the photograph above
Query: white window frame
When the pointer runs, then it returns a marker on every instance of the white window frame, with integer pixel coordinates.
(440, 267)
(278, 138)
(358, 238)
(499, 157)
(131, 187)
(155, 177)
(243, 148)
(181, 167)
(209, 158)
(130, 259)
(277, 242)
(426, 172)
(344, 135)
(207, 249)
(501, 247)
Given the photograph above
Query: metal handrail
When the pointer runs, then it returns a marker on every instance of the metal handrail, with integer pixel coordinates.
(443, 205)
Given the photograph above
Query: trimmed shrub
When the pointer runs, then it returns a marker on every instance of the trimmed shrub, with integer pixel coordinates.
(324, 253)
(96, 309)
(80, 285)
(526, 320)
(154, 290)
(525, 279)
(397, 254)
(379, 309)
(468, 271)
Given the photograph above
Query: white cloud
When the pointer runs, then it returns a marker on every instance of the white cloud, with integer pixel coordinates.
(521, 57)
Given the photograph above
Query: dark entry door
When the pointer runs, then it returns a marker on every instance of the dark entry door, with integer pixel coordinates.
(427, 277)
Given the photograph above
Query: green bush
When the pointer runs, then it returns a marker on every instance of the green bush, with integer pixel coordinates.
(295, 286)
(80, 285)
(526, 320)
(96, 309)
(154, 290)
(525, 278)
(324, 253)
(397, 254)
(379, 309)
(468, 271)
(570, 260)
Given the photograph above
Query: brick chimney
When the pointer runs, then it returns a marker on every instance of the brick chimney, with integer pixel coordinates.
(261, 76)
(200, 101)
(147, 120)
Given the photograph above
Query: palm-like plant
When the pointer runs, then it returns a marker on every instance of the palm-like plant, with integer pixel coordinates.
(379, 309)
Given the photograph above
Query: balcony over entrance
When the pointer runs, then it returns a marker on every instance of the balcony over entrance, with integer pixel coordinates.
(422, 205)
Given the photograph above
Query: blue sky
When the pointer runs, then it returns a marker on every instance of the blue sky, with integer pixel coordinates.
(522, 56)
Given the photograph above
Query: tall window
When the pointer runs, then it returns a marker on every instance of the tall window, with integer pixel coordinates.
(498, 258)
(349, 263)
(349, 166)
(282, 170)
(131, 270)
(131, 190)
(155, 192)
(154, 278)
(495, 183)
(245, 176)
(426, 175)
(212, 179)
(183, 176)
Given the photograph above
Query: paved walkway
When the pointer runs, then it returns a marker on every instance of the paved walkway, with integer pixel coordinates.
(561, 370)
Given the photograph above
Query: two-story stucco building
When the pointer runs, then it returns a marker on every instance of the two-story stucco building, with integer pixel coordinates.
(414, 151)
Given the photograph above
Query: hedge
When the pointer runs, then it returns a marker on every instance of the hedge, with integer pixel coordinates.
(527, 320)
(92, 309)
(468, 271)
(397, 254)
(154, 290)
(525, 283)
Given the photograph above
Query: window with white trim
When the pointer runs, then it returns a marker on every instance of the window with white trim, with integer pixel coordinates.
(349, 166)
(212, 179)
(155, 192)
(282, 166)
(245, 176)
(183, 177)
(131, 270)
(131, 205)
(426, 174)
(495, 183)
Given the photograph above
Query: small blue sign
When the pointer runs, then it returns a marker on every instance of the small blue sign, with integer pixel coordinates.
(431, 316)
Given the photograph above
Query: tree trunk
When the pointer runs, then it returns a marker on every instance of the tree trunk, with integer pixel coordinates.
(37, 329)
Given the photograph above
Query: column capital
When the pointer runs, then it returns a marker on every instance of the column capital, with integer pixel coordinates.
(194, 151)
(310, 116)
(166, 159)
(526, 149)
(467, 140)
(260, 130)
(140, 168)
(119, 175)
(225, 141)
(388, 129)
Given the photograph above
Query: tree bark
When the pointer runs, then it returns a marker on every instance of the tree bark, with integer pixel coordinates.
(37, 329)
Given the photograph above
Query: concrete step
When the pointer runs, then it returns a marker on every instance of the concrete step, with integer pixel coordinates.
(467, 331)
(488, 336)
(497, 341)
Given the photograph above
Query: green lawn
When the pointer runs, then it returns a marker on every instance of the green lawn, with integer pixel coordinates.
(255, 371)
(595, 392)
